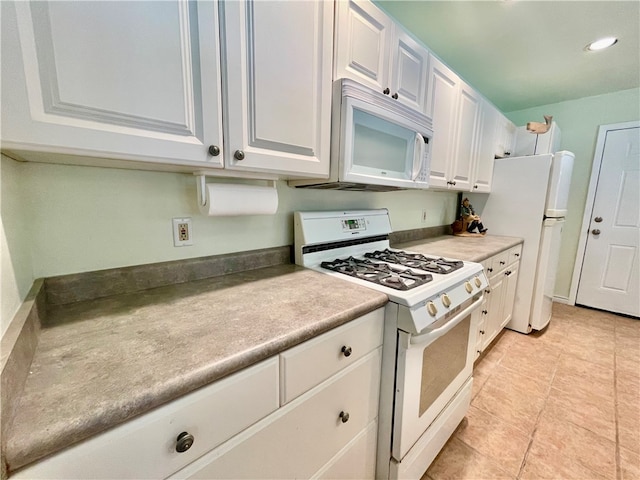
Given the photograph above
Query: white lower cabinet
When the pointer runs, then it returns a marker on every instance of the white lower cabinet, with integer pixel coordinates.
(502, 272)
(299, 439)
(146, 447)
(242, 427)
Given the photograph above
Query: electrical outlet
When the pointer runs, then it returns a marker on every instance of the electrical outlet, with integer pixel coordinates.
(424, 216)
(182, 232)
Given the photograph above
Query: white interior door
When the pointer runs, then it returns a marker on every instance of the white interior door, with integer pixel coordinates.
(611, 265)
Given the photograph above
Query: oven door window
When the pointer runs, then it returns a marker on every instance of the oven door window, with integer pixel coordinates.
(442, 361)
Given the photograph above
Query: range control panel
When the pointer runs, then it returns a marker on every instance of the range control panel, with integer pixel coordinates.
(354, 225)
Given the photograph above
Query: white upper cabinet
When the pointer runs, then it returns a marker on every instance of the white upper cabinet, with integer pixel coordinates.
(139, 84)
(277, 82)
(467, 138)
(483, 175)
(409, 70)
(442, 107)
(362, 39)
(375, 51)
(505, 137)
(126, 80)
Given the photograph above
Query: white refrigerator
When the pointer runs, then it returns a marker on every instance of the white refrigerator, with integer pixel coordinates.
(528, 199)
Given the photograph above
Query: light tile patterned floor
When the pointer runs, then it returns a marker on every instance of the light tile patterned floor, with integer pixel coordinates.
(559, 404)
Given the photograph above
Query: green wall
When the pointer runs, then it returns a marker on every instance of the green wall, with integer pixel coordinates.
(579, 121)
(89, 218)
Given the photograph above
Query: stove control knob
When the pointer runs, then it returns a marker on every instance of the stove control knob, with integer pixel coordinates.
(432, 309)
(478, 282)
(468, 287)
(446, 301)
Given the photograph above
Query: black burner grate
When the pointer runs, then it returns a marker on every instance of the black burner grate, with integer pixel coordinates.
(380, 273)
(417, 260)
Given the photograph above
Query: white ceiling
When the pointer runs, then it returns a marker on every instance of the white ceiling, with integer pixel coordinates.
(521, 54)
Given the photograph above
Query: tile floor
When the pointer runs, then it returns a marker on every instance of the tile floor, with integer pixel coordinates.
(559, 404)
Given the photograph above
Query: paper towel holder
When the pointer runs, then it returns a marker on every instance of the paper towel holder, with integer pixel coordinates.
(202, 191)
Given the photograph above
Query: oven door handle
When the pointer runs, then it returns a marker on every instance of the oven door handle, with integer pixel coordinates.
(431, 335)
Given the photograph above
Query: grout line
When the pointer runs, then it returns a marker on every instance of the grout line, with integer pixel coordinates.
(537, 422)
(615, 402)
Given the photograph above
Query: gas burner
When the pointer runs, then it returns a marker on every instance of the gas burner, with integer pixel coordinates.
(417, 260)
(380, 273)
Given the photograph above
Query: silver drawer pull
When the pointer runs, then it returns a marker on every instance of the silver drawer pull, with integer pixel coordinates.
(344, 416)
(346, 351)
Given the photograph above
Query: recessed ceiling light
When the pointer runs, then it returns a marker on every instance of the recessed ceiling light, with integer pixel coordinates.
(601, 44)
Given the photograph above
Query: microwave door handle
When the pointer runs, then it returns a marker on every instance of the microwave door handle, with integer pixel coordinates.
(418, 155)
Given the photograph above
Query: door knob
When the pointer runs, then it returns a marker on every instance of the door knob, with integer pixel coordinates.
(595, 231)
(597, 219)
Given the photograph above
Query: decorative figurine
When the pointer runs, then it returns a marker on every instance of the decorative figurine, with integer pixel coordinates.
(469, 216)
(538, 127)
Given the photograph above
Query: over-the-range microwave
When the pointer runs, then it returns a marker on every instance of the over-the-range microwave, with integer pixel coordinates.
(377, 143)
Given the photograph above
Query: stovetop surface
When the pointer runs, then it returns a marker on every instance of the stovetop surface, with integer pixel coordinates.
(410, 279)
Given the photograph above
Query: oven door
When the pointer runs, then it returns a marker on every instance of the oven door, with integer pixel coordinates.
(431, 369)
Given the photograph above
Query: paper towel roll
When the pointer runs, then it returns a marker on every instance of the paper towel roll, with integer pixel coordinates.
(225, 199)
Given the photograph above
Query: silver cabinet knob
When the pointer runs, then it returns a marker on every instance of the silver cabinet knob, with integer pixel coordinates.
(346, 351)
(394, 96)
(597, 219)
(386, 91)
(344, 416)
(214, 150)
(238, 155)
(595, 231)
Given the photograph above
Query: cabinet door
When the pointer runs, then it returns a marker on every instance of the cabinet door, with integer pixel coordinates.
(409, 70)
(125, 80)
(483, 175)
(505, 137)
(466, 145)
(363, 33)
(442, 107)
(510, 293)
(278, 86)
(494, 309)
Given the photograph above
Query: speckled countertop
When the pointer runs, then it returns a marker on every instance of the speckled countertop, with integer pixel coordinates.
(471, 249)
(106, 360)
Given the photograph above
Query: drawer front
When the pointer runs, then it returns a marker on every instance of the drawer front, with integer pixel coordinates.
(515, 253)
(301, 437)
(145, 447)
(307, 365)
(499, 262)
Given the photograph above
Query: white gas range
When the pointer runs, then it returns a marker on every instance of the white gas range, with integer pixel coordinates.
(429, 336)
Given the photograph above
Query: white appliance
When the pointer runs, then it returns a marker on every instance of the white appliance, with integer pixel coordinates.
(529, 199)
(528, 143)
(429, 334)
(377, 143)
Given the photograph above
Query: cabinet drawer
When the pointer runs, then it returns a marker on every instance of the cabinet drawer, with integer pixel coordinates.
(514, 254)
(308, 364)
(145, 447)
(301, 437)
(499, 262)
